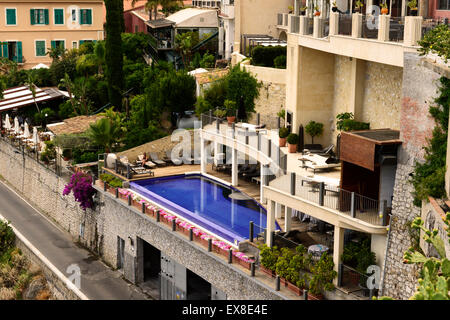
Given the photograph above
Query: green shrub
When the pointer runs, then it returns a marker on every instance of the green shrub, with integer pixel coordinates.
(111, 180)
(269, 256)
(7, 237)
(265, 56)
(323, 275)
(314, 129)
(346, 122)
(283, 132)
(292, 138)
(280, 62)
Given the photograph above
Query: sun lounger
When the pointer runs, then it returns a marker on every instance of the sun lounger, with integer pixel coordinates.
(317, 162)
(155, 159)
(146, 163)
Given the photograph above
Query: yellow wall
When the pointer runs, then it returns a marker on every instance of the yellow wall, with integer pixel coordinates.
(26, 33)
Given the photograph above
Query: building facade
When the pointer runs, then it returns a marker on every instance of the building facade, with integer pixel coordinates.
(29, 28)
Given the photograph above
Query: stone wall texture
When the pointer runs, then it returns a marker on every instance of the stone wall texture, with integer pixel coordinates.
(419, 89)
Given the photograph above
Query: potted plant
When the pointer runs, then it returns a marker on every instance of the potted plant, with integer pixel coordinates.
(323, 276)
(292, 140)
(358, 6)
(268, 258)
(314, 129)
(283, 133)
(230, 107)
(291, 9)
(220, 113)
(412, 7)
(283, 264)
(303, 11)
(316, 11)
(384, 9)
(334, 8)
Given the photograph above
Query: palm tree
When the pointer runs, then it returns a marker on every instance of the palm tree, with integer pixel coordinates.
(152, 5)
(32, 88)
(104, 133)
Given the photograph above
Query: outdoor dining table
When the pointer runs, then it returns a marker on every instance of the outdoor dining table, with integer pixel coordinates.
(317, 250)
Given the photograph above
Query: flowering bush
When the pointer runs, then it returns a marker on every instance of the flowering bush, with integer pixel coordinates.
(81, 186)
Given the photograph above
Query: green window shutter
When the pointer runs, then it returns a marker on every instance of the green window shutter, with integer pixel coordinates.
(53, 44)
(10, 16)
(59, 16)
(89, 16)
(81, 42)
(40, 48)
(46, 16)
(80, 20)
(5, 49)
(33, 22)
(19, 52)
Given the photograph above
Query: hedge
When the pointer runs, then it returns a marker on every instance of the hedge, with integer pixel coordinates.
(265, 56)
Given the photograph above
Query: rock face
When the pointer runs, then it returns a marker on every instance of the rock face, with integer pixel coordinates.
(35, 288)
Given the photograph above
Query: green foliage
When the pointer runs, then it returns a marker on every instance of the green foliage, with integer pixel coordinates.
(346, 122)
(133, 45)
(283, 261)
(265, 56)
(105, 132)
(280, 62)
(230, 107)
(242, 88)
(202, 106)
(323, 275)
(41, 118)
(184, 42)
(7, 237)
(292, 138)
(49, 152)
(314, 129)
(281, 114)
(220, 113)
(216, 94)
(111, 180)
(429, 177)
(283, 132)
(113, 57)
(437, 41)
(269, 256)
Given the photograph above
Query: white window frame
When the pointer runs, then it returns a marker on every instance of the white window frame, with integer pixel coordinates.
(40, 24)
(76, 44)
(35, 48)
(72, 15)
(64, 16)
(6, 17)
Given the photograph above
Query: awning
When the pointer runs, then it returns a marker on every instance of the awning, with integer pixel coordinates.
(20, 97)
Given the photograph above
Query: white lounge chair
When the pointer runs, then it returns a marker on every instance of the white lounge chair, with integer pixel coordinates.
(317, 162)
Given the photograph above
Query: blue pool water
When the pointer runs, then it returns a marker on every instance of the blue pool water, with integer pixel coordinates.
(206, 203)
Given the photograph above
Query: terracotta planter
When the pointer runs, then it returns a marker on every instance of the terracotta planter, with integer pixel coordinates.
(231, 119)
(317, 13)
(294, 289)
(315, 297)
(334, 9)
(268, 272)
(384, 10)
(283, 282)
(283, 142)
(292, 148)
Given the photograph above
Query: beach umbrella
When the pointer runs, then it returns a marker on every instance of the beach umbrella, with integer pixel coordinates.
(16, 125)
(26, 132)
(35, 136)
(7, 123)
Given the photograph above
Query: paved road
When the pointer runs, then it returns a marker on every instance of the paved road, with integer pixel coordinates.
(98, 282)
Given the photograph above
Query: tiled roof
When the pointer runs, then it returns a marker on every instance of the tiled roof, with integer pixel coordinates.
(73, 125)
(211, 76)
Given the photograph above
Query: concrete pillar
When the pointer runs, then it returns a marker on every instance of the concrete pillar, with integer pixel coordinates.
(278, 211)
(357, 81)
(202, 154)
(413, 30)
(287, 218)
(303, 25)
(356, 25)
(334, 23)
(270, 221)
(338, 248)
(262, 183)
(234, 167)
(383, 30)
(318, 27)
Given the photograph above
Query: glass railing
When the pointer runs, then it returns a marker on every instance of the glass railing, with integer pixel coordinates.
(345, 24)
(280, 19)
(396, 29)
(295, 24)
(369, 27)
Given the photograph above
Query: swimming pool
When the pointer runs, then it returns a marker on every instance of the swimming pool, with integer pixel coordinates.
(205, 202)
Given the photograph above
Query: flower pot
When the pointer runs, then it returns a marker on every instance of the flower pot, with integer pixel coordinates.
(317, 13)
(294, 289)
(231, 119)
(413, 12)
(315, 296)
(283, 282)
(269, 272)
(292, 148)
(282, 142)
(334, 9)
(384, 10)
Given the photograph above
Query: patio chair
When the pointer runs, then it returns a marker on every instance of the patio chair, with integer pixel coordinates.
(328, 151)
(317, 162)
(143, 161)
(155, 159)
(174, 161)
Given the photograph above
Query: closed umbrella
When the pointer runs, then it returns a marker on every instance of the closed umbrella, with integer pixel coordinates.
(301, 139)
(35, 136)
(16, 126)
(7, 123)
(26, 131)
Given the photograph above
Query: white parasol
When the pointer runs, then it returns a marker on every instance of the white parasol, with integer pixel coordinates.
(7, 123)
(26, 131)
(35, 138)
(16, 126)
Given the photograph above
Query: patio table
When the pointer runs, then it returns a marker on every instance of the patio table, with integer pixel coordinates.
(317, 249)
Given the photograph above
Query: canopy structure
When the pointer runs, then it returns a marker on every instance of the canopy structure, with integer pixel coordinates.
(20, 97)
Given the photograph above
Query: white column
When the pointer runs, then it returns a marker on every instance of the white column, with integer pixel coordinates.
(261, 184)
(383, 30)
(278, 211)
(413, 29)
(287, 218)
(334, 23)
(356, 25)
(202, 154)
(234, 168)
(270, 221)
(318, 27)
(338, 248)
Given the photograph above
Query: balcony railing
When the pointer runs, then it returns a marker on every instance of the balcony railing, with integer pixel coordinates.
(383, 28)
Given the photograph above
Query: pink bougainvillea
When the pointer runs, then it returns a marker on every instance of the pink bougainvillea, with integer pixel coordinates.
(81, 186)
